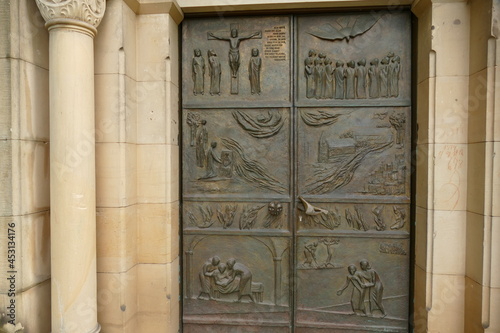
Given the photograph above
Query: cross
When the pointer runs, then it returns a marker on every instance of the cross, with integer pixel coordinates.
(234, 51)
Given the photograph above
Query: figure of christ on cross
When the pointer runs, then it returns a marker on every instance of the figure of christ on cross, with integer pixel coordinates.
(234, 52)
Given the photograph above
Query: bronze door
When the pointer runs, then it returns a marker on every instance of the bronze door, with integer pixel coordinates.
(296, 173)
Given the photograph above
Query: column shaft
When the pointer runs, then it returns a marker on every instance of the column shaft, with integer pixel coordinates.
(72, 180)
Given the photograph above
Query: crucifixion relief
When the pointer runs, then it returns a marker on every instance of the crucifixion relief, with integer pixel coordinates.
(234, 51)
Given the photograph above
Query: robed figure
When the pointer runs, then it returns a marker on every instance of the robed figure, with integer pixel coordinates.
(254, 68)
(214, 70)
(198, 67)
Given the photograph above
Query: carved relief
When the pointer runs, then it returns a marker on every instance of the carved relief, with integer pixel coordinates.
(250, 170)
(366, 285)
(234, 52)
(328, 219)
(198, 68)
(217, 278)
(345, 28)
(249, 216)
(274, 217)
(360, 74)
(88, 11)
(211, 162)
(311, 250)
(201, 143)
(356, 220)
(392, 248)
(254, 68)
(309, 74)
(261, 126)
(400, 216)
(398, 121)
(348, 216)
(193, 120)
(226, 217)
(377, 218)
(206, 218)
(350, 79)
(319, 118)
(373, 75)
(388, 179)
(347, 151)
(214, 71)
(340, 75)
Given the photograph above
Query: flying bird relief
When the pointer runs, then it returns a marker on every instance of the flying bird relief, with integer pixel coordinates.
(346, 27)
(261, 126)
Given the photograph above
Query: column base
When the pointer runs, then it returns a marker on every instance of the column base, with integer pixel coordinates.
(97, 329)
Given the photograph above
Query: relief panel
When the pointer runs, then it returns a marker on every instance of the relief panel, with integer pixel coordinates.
(234, 216)
(242, 152)
(356, 218)
(350, 59)
(356, 281)
(245, 59)
(243, 278)
(359, 153)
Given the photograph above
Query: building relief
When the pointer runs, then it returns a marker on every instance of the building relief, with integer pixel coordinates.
(350, 150)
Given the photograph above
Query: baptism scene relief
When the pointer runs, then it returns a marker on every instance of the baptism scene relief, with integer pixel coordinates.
(237, 151)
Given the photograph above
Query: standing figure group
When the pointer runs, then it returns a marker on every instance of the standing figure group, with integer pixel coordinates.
(326, 79)
(214, 72)
(366, 281)
(198, 72)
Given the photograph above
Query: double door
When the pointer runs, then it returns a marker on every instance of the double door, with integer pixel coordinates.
(296, 173)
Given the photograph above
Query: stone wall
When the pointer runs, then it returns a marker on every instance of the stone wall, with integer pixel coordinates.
(137, 154)
(24, 162)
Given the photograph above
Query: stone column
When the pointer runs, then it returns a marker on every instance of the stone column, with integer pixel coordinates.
(72, 27)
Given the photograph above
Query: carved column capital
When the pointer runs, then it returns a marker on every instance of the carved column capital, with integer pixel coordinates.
(83, 13)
